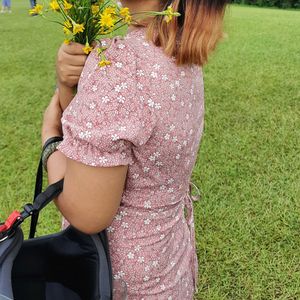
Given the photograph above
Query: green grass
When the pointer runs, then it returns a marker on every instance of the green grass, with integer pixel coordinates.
(248, 220)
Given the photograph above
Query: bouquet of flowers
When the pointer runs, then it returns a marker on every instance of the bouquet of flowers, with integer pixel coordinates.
(86, 21)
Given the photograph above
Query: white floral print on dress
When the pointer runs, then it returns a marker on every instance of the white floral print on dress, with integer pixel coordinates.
(134, 112)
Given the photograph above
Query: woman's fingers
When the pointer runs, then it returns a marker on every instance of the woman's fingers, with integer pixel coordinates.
(68, 79)
(69, 70)
(71, 59)
(73, 48)
(70, 62)
(71, 81)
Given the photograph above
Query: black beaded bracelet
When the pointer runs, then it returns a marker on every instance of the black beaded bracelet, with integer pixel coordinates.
(52, 140)
(50, 147)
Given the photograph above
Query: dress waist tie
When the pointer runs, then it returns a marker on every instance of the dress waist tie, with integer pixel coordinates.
(190, 221)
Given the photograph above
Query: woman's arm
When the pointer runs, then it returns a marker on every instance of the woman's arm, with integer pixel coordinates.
(69, 65)
(91, 195)
(66, 95)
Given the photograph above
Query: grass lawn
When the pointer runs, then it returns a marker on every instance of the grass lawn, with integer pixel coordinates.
(248, 220)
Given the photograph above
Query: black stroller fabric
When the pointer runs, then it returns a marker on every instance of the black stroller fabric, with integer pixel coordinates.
(9, 249)
(61, 266)
(68, 265)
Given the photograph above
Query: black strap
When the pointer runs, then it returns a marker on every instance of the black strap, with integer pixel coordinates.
(52, 190)
(42, 199)
(37, 191)
(48, 195)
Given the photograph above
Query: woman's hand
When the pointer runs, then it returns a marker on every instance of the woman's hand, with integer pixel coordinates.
(52, 119)
(69, 64)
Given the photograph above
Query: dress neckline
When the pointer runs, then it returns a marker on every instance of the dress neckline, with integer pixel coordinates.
(136, 30)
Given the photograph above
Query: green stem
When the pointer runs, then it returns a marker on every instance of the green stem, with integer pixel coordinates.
(62, 10)
(104, 4)
(119, 27)
(53, 21)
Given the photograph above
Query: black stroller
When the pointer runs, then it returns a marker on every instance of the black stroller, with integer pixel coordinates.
(68, 265)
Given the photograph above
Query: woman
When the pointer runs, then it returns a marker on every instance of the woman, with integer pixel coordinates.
(131, 136)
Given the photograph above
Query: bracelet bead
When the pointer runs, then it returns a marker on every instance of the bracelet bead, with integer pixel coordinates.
(48, 150)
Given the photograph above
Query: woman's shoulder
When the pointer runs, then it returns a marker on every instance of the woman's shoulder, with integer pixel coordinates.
(111, 58)
(135, 48)
(134, 58)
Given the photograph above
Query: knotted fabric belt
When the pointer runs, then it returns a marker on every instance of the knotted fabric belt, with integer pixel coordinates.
(190, 222)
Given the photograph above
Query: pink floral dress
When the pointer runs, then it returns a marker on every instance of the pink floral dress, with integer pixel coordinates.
(145, 112)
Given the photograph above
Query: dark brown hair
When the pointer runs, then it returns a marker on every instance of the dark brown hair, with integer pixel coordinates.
(191, 37)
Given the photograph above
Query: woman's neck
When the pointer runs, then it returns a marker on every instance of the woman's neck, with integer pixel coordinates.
(138, 6)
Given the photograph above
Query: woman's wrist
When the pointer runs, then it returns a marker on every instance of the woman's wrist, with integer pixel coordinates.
(50, 146)
(66, 94)
(54, 162)
(48, 133)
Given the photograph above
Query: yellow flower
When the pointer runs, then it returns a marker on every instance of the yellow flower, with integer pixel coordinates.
(110, 10)
(67, 5)
(68, 24)
(54, 5)
(107, 20)
(169, 14)
(124, 11)
(37, 10)
(104, 63)
(104, 31)
(67, 30)
(128, 19)
(67, 42)
(87, 49)
(77, 28)
(95, 9)
(100, 50)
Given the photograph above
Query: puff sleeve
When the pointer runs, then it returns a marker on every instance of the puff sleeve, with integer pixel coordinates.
(107, 120)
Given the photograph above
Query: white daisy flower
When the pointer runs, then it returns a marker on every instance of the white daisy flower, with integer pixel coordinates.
(114, 137)
(124, 225)
(147, 204)
(141, 259)
(102, 160)
(130, 255)
(140, 73)
(118, 88)
(119, 65)
(121, 99)
(156, 66)
(105, 99)
(124, 85)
